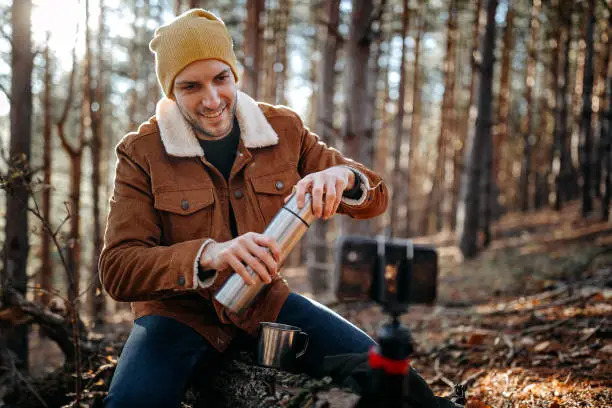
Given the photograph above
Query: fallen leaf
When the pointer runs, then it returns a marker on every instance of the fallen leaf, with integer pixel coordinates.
(476, 339)
(607, 349)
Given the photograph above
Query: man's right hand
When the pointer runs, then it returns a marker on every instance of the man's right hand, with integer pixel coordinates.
(260, 252)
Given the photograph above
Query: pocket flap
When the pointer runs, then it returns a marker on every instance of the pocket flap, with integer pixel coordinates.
(184, 202)
(278, 183)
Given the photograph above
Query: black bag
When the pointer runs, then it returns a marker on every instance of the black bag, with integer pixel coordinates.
(353, 371)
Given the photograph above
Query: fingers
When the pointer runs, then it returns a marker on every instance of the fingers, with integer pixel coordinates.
(253, 254)
(271, 245)
(318, 189)
(301, 188)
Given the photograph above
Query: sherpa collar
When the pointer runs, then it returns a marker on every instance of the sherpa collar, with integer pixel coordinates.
(179, 139)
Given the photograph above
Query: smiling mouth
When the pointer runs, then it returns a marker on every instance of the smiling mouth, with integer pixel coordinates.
(214, 115)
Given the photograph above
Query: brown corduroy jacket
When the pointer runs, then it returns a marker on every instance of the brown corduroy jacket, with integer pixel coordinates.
(168, 200)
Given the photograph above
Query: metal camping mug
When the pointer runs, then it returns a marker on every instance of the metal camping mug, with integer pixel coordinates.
(287, 227)
(278, 343)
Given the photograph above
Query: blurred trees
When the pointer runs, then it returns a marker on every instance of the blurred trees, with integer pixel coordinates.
(468, 109)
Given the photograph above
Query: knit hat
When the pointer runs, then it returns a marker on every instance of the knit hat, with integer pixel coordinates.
(194, 35)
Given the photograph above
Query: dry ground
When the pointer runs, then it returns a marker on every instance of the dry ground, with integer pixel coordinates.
(528, 323)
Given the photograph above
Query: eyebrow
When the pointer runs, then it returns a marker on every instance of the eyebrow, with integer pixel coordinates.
(189, 82)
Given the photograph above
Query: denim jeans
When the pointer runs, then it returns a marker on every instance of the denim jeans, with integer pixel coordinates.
(161, 353)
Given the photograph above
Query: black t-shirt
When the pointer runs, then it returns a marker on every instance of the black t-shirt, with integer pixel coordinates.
(221, 153)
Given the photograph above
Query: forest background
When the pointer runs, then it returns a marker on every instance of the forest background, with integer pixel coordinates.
(471, 110)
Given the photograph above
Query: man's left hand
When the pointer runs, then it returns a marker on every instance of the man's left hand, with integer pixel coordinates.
(326, 188)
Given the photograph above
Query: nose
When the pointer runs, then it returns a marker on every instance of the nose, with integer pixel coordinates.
(210, 99)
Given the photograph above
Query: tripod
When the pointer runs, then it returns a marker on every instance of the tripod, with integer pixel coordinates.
(390, 364)
(390, 360)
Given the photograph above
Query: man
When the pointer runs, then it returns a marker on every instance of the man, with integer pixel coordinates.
(195, 186)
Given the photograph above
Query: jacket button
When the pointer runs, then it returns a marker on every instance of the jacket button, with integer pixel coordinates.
(181, 280)
(279, 185)
(184, 204)
(238, 193)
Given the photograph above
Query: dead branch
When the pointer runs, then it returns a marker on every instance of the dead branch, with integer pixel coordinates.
(56, 326)
(544, 327)
(69, 98)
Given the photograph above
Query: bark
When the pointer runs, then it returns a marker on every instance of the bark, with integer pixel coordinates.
(398, 177)
(280, 64)
(46, 268)
(469, 118)
(252, 48)
(607, 194)
(17, 245)
(561, 127)
(586, 127)
(599, 158)
(415, 123)
(135, 63)
(358, 134)
(318, 258)
(500, 134)
(96, 100)
(606, 132)
(74, 155)
(441, 191)
(528, 136)
(468, 212)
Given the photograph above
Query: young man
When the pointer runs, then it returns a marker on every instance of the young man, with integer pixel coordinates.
(195, 186)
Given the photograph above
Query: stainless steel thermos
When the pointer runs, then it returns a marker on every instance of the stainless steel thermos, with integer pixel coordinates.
(287, 227)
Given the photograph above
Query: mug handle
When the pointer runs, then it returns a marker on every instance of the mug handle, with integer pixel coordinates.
(301, 353)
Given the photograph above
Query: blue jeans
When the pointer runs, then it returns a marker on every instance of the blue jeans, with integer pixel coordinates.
(161, 353)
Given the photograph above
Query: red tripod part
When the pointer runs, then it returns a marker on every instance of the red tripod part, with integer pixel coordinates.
(389, 366)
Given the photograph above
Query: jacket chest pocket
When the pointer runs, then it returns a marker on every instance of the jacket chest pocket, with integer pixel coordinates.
(271, 190)
(185, 214)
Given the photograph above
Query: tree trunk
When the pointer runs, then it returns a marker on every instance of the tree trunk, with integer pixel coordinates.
(46, 267)
(599, 159)
(607, 194)
(441, 190)
(17, 246)
(252, 48)
(468, 211)
(469, 118)
(606, 132)
(96, 100)
(500, 135)
(528, 136)
(398, 176)
(358, 133)
(318, 257)
(561, 129)
(280, 65)
(135, 63)
(74, 154)
(586, 127)
(415, 123)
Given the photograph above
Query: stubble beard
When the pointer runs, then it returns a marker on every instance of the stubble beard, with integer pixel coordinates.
(199, 130)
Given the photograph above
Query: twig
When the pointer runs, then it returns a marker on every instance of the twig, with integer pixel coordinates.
(3, 89)
(440, 375)
(544, 327)
(510, 345)
(473, 378)
(595, 330)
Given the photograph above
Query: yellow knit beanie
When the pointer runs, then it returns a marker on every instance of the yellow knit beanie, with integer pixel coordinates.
(194, 35)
